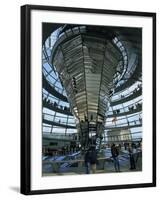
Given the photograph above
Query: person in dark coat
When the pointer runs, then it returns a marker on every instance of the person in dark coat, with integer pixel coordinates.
(91, 160)
(87, 161)
(115, 154)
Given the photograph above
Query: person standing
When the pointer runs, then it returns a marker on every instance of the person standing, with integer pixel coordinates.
(93, 159)
(87, 161)
(115, 154)
(132, 152)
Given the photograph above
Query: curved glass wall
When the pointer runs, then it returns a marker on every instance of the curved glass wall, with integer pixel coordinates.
(125, 111)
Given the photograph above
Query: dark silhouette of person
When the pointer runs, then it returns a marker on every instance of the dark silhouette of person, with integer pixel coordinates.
(115, 154)
(131, 157)
(87, 162)
(91, 160)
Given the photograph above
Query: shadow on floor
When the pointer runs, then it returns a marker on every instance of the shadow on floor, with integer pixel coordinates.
(15, 189)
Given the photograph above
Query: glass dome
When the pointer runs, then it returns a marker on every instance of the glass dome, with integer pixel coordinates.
(125, 111)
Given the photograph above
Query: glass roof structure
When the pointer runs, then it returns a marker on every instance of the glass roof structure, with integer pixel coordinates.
(118, 101)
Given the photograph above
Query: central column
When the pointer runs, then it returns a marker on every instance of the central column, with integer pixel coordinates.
(86, 63)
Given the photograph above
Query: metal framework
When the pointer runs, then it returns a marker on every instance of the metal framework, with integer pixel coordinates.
(88, 65)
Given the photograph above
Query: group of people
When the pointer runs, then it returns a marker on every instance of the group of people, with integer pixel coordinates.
(136, 106)
(55, 104)
(132, 156)
(133, 92)
(65, 150)
(130, 108)
(91, 160)
(116, 111)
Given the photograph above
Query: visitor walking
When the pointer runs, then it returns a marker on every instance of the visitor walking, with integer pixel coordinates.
(115, 154)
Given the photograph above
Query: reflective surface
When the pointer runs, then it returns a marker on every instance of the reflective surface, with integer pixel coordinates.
(130, 47)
